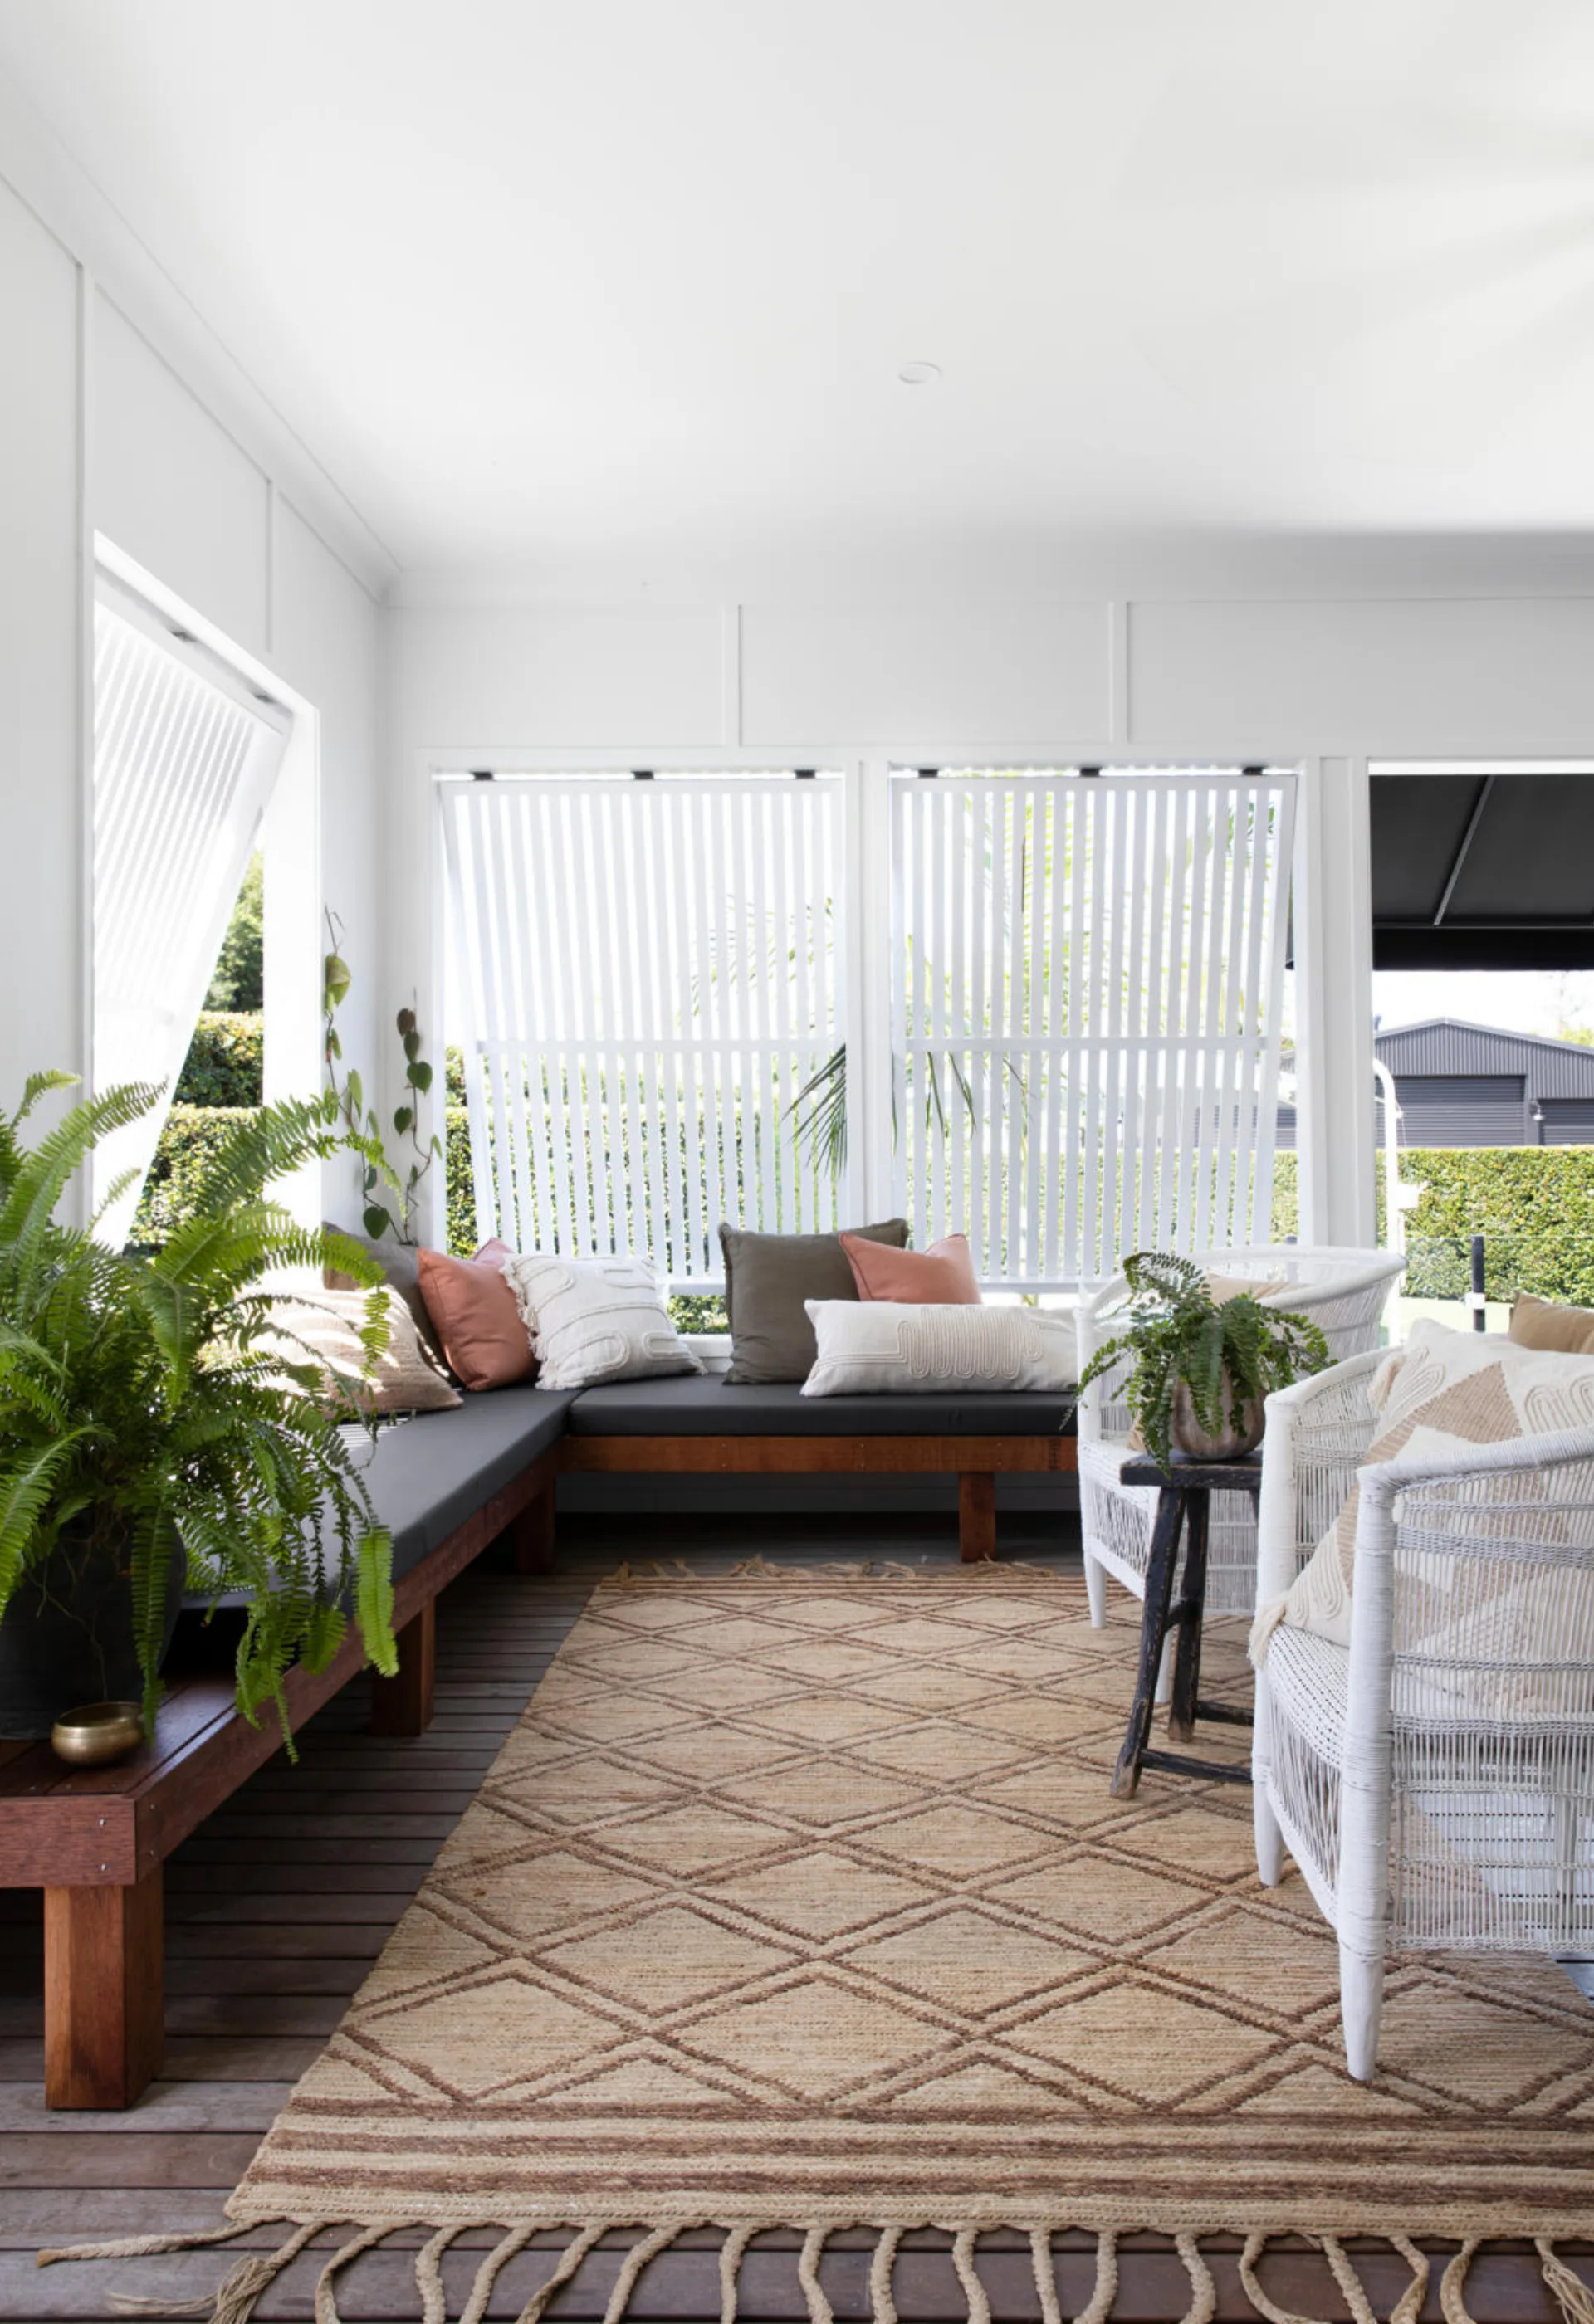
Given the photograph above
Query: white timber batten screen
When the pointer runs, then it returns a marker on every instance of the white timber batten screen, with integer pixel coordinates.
(646, 984)
(185, 755)
(1086, 1013)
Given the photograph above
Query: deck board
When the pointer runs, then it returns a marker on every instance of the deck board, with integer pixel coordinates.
(276, 1907)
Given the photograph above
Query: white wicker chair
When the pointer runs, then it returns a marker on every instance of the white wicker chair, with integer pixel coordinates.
(1343, 1291)
(1435, 1780)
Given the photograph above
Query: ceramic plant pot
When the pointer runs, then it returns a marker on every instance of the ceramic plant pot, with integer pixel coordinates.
(1241, 1432)
(66, 1637)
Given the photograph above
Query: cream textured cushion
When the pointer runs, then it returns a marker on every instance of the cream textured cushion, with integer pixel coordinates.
(875, 1347)
(1440, 1393)
(325, 1328)
(595, 1319)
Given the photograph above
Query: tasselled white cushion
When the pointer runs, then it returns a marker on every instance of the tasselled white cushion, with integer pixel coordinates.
(593, 1320)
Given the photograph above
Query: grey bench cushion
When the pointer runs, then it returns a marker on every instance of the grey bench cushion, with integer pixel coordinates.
(429, 1475)
(712, 1408)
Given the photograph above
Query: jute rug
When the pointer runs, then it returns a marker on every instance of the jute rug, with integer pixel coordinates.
(799, 1898)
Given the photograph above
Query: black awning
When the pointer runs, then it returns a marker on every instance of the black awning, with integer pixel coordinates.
(1481, 870)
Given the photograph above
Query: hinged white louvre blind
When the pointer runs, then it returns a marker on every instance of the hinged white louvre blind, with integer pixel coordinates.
(184, 761)
(645, 982)
(1087, 1012)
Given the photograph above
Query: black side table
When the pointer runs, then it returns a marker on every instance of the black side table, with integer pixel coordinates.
(1183, 1506)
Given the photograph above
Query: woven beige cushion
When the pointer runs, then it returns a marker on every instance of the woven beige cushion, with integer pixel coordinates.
(1440, 1393)
(325, 1328)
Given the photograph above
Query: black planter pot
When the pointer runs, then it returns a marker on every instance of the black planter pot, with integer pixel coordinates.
(66, 1637)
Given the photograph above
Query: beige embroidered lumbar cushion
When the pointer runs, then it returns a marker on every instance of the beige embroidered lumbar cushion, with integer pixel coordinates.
(324, 1328)
(1441, 1392)
(873, 1347)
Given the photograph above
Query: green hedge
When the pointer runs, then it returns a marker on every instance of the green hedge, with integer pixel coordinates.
(191, 1134)
(224, 1061)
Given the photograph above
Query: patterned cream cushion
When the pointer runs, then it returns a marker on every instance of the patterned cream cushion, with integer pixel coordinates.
(595, 1319)
(323, 1328)
(1440, 1393)
(875, 1347)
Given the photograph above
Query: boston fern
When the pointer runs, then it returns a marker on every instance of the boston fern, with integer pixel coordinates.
(147, 1409)
(1177, 1332)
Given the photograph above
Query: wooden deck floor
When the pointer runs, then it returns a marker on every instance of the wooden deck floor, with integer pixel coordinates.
(276, 1909)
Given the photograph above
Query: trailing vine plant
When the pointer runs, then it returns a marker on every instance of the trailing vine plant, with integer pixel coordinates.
(381, 1177)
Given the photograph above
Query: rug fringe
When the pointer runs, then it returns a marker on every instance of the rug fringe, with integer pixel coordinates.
(1203, 2292)
(570, 2259)
(1100, 2306)
(731, 2259)
(1451, 2283)
(646, 2248)
(808, 2276)
(252, 2274)
(1256, 2244)
(1572, 2295)
(882, 2307)
(963, 2244)
(428, 2276)
(489, 2273)
(326, 2309)
(1408, 2308)
(1045, 2276)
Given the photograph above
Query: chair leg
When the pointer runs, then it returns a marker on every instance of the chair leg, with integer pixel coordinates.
(1361, 2006)
(1096, 1590)
(1265, 1824)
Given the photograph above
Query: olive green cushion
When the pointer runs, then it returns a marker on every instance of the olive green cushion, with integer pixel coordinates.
(767, 1278)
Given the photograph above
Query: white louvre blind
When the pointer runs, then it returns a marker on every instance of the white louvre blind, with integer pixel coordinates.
(646, 983)
(184, 760)
(1087, 1012)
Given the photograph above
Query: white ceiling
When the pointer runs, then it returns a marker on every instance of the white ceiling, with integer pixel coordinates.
(636, 276)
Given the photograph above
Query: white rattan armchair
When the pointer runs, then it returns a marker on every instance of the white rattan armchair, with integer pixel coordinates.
(1435, 1781)
(1343, 1291)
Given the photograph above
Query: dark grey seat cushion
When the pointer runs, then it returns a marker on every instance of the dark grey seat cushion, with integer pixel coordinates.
(715, 1408)
(427, 1475)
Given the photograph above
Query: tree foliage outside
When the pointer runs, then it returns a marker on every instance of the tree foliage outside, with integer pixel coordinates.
(226, 1061)
(240, 981)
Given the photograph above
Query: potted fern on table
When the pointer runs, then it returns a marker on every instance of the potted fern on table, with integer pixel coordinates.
(1202, 1367)
(157, 1433)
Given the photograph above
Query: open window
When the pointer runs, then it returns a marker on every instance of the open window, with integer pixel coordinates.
(186, 753)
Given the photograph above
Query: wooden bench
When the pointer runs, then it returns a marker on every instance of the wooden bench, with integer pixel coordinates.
(95, 1839)
(977, 1462)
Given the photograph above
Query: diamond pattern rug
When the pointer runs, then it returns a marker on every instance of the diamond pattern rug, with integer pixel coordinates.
(800, 1897)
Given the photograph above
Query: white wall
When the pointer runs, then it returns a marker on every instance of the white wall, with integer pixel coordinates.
(1328, 680)
(41, 874)
(100, 431)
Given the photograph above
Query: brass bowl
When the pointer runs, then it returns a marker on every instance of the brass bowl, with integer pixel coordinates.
(98, 1734)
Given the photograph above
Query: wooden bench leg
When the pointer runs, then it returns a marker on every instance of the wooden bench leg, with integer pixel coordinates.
(104, 2016)
(402, 1705)
(532, 1535)
(976, 1515)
